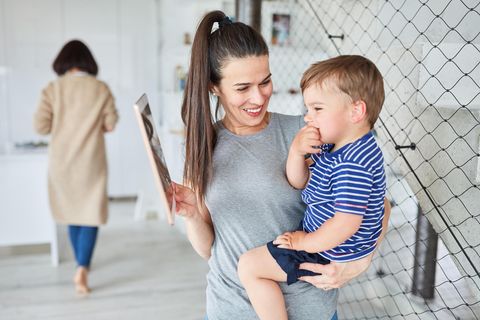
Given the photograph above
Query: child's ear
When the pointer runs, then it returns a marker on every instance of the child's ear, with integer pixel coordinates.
(359, 111)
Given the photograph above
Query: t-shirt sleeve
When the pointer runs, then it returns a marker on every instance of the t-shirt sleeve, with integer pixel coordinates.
(315, 157)
(301, 122)
(351, 187)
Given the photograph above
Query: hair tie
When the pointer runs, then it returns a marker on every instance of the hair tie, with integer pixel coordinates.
(225, 21)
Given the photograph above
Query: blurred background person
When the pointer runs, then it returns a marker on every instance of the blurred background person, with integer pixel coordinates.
(77, 109)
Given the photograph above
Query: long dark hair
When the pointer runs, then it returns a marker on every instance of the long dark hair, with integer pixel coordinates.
(75, 54)
(210, 50)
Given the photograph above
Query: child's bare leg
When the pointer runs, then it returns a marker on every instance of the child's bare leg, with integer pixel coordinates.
(259, 274)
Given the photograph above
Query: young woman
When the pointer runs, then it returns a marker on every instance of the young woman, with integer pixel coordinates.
(77, 109)
(237, 196)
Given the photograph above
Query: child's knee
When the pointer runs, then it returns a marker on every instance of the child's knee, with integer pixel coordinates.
(245, 268)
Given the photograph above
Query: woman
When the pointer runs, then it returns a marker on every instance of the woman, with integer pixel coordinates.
(237, 196)
(77, 109)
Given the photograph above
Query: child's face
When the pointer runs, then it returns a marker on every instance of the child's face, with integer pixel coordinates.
(328, 110)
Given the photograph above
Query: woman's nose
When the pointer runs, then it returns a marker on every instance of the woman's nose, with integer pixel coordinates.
(257, 98)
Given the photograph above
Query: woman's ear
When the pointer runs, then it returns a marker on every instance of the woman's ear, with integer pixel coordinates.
(214, 90)
(359, 111)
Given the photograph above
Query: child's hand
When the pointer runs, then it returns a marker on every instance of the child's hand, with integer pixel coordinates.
(306, 140)
(291, 240)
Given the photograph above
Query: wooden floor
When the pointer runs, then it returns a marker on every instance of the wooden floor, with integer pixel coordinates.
(141, 270)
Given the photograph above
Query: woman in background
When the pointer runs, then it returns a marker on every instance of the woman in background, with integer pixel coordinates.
(77, 110)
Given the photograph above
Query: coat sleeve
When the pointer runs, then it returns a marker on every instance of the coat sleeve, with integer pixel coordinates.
(110, 114)
(42, 121)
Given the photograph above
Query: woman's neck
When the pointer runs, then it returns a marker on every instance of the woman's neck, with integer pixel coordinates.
(75, 69)
(246, 130)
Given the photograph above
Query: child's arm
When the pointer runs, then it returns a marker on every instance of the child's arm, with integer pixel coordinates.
(336, 274)
(297, 168)
(332, 233)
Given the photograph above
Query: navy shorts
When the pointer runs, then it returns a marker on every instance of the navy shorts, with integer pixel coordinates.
(290, 260)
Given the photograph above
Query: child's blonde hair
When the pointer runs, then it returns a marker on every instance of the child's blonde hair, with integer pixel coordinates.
(353, 75)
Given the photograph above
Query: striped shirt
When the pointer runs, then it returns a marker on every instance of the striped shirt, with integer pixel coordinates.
(349, 180)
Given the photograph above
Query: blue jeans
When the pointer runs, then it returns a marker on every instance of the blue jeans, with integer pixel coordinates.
(335, 317)
(83, 240)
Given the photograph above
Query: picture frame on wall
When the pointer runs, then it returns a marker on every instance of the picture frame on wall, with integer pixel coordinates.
(280, 29)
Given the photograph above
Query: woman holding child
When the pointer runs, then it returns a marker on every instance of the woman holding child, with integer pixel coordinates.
(238, 196)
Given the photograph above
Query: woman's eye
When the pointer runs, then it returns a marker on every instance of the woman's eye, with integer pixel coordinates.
(242, 89)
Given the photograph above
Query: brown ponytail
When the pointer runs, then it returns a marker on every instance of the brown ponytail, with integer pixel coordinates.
(209, 52)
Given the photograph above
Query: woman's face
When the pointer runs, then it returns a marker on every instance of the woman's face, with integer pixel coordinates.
(244, 93)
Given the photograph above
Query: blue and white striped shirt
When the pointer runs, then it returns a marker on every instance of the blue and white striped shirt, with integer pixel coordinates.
(349, 180)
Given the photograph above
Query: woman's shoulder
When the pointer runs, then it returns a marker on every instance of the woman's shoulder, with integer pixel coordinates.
(88, 84)
(293, 122)
(101, 83)
(95, 81)
(83, 77)
(287, 117)
(50, 85)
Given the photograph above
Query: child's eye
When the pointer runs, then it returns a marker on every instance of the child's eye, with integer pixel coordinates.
(266, 82)
(318, 109)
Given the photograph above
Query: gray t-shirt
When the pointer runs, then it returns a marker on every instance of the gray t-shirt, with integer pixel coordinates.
(251, 202)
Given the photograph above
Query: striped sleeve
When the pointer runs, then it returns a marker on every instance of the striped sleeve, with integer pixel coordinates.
(351, 187)
(316, 156)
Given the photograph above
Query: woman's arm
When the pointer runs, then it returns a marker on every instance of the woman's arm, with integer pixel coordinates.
(200, 233)
(44, 114)
(335, 275)
(110, 114)
(197, 220)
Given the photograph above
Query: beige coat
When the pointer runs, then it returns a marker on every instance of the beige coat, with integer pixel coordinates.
(77, 109)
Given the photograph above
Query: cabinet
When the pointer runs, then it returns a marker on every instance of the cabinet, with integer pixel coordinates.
(25, 213)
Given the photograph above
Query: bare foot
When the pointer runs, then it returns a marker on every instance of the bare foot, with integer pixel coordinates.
(80, 281)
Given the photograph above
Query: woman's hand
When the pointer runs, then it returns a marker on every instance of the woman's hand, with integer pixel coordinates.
(335, 274)
(197, 220)
(306, 141)
(186, 201)
(107, 128)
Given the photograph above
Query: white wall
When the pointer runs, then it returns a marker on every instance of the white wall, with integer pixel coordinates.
(3, 84)
(122, 35)
(289, 61)
(137, 45)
